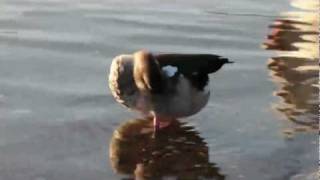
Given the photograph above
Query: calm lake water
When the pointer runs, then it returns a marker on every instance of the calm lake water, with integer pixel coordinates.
(58, 120)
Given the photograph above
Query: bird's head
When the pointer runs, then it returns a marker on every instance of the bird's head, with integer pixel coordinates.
(146, 72)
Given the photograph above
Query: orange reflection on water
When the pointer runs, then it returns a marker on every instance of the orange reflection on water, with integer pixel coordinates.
(178, 151)
(295, 38)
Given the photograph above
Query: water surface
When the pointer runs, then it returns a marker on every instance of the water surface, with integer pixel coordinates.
(58, 118)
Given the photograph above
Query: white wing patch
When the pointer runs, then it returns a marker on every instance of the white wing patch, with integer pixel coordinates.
(170, 70)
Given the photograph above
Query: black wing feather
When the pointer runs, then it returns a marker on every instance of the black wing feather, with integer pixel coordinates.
(190, 63)
(194, 67)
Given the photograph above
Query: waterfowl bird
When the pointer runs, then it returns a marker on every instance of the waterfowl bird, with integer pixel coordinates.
(163, 86)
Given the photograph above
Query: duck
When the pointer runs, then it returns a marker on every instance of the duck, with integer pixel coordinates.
(163, 86)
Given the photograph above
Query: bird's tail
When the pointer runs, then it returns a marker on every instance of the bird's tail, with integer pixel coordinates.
(226, 60)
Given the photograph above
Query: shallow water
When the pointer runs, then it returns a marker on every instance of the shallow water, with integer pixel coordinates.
(58, 117)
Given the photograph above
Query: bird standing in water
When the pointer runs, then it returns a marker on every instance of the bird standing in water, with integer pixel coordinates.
(163, 86)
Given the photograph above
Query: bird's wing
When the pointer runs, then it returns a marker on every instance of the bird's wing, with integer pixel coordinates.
(192, 63)
(194, 67)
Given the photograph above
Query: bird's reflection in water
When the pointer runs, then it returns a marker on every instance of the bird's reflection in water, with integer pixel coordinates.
(177, 152)
(295, 69)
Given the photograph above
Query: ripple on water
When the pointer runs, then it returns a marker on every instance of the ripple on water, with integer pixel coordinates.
(296, 67)
(54, 57)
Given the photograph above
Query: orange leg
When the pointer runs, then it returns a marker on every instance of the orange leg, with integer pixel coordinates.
(160, 122)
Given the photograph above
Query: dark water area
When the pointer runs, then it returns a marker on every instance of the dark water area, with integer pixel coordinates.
(59, 121)
(178, 151)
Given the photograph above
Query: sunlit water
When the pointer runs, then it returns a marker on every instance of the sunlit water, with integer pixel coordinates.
(59, 120)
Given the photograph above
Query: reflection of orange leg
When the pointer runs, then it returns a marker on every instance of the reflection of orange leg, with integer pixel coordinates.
(156, 123)
(156, 126)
